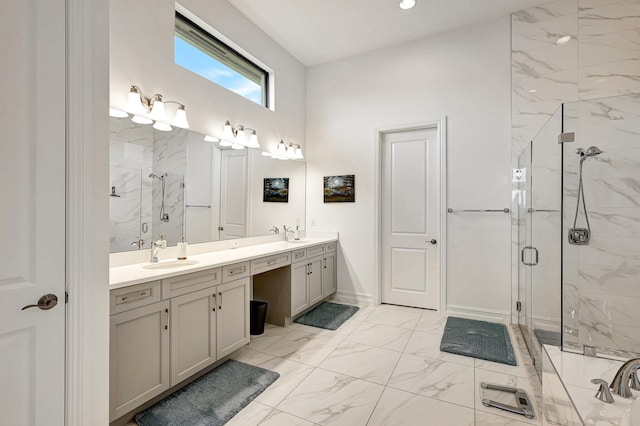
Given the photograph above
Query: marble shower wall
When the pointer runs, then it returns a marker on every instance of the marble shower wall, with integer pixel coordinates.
(602, 58)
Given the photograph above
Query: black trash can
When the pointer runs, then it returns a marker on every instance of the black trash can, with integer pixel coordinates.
(258, 316)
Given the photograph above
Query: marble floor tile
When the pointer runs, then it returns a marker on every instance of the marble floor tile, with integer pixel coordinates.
(280, 418)
(428, 345)
(432, 322)
(303, 347)
(349, 358)
(341, 333)
(249, 356)
(251, 415)
(506, 380)
(441, 380)
(399, 408)
(291, 375)
(487, 419)
(330, 398)
(381, 336)
(395, 316)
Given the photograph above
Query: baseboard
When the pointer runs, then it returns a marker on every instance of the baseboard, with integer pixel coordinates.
(354, 298)
(479, 314)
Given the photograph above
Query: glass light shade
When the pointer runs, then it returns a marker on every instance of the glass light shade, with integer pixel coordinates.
(241, 138)
(298, 154)
(180, 120)
(224, 142)
(208, 138)
(407, 4)
(227, 132)
(237, 146)
(141, 120)
(253, 140)
(281, 150)
(117, 113)
(134, 102)
(157, 111)
(160, 125)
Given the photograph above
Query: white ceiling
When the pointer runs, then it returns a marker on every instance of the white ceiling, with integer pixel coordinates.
(319, 31)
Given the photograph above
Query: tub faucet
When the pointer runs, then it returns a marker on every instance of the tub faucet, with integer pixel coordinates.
(626, 378)
(155, 246)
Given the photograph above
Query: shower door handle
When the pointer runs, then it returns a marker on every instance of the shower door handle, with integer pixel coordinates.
(529, 263)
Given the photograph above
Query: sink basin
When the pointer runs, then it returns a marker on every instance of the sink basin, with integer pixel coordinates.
(631, 416)
(170, 264)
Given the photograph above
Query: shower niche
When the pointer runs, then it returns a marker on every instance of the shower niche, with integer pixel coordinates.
(578, 222)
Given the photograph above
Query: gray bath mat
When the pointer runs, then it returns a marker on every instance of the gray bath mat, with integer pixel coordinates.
(478, 339)
(212, 399)
(327, 315)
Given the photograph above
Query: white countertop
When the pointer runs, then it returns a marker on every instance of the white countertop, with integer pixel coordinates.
(576, 372)
(123, 276)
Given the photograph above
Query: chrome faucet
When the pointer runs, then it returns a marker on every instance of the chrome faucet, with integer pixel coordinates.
(275, 229)
(286, 232)
(155, 246)
(138, 243)
(626, 379)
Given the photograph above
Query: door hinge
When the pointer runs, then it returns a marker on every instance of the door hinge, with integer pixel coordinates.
(518, 306)
(66, 297)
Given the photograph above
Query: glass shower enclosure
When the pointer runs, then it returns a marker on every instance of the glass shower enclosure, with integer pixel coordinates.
(578, 222)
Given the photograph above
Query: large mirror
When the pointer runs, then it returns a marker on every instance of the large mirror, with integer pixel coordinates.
(177, 184)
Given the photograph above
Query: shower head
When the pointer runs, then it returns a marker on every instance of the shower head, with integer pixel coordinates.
(155, 176)
(593, 150)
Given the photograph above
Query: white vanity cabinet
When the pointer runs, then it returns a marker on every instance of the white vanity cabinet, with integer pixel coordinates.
(158, 345)
(138, 356)
(306, 284)
(329, 282)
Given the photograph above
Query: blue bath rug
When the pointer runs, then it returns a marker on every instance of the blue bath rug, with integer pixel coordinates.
(212, 399)
(327, 315)
(478, 339)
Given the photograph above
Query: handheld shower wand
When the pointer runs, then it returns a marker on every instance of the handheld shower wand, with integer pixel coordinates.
(581, 236)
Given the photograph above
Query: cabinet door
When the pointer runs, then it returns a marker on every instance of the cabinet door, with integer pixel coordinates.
(139, 357)
(315, 280)
(329, 275)
(233, 316)
(193, 333)
(299, 289)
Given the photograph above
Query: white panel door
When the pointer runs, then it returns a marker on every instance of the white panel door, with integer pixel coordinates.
(233, 194)
(32, 211)
(410, 218)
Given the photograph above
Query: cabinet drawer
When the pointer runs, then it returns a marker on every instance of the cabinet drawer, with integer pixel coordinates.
(330, 246)
(315, 250)
(134, 296)
(298, 255)
(235, 271)
(265, 264)
(183, 284)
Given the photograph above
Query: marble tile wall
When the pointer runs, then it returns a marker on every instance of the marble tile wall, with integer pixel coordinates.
(601, 59)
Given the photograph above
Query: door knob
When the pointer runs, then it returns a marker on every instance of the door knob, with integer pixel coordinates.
(220, 228)
(45, 303)
(433, 241)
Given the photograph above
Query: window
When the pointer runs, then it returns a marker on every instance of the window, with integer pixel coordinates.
(202, 53)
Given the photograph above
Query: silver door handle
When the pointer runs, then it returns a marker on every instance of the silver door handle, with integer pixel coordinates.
(220, 228)
(45, 303)
(433, 241)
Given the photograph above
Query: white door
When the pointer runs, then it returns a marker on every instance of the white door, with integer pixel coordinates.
(410, 218)
(32, 211)
(234, 180)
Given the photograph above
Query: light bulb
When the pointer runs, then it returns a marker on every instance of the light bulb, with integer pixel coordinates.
(134, 102)
(162, 126)
(141, 120)
(407, 4)
(180, 120)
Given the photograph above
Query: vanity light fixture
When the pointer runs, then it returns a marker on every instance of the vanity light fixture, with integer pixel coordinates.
(407, 4)
(236, 137)
(147, 110)
(286, 151)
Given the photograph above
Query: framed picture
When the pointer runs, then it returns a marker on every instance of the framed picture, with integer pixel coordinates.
(276, 190)
(340, 189)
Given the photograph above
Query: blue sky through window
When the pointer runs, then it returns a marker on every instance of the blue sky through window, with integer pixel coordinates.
(200, 63)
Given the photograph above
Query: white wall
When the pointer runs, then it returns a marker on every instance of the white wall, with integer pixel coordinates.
(142, 54)
(464, 75)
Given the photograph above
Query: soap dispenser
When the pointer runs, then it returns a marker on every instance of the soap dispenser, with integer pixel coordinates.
(182, 249)
(296, 233)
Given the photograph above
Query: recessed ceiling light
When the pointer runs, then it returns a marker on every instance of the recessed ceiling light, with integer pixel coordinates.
(407, 4)
(563, 39)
